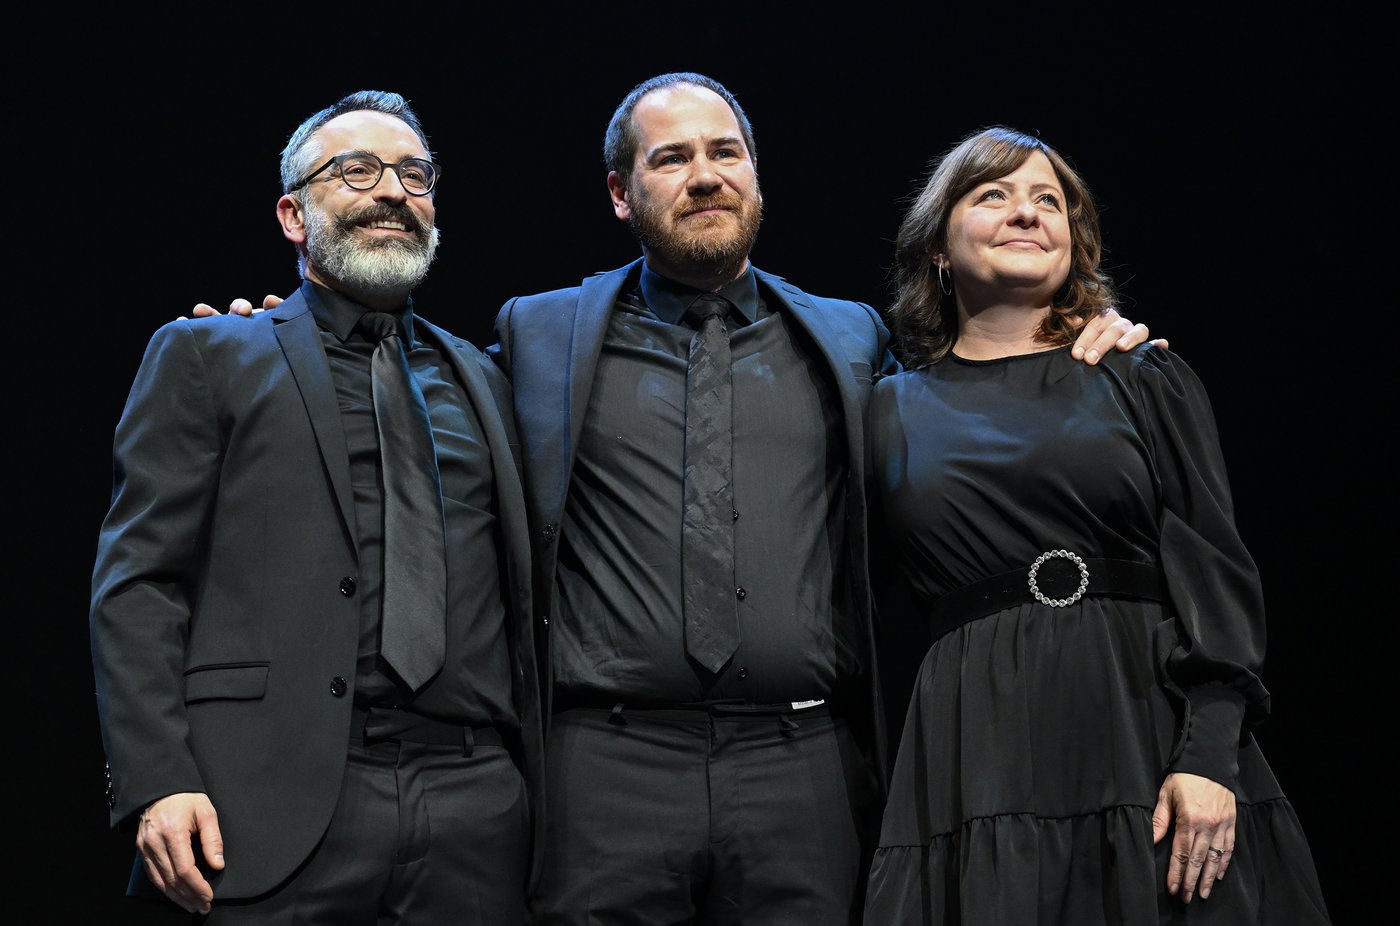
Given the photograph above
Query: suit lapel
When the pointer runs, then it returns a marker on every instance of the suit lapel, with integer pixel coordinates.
(488, 414)
(597, 297)
(803, 309)
(300, 339)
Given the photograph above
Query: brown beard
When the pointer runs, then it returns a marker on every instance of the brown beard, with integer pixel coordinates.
(706, 255)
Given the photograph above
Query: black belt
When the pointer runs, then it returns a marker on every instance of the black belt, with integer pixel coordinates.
(616, 706)
(1059, 577)
(392, 723)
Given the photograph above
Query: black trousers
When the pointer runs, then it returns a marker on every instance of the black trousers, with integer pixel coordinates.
(422, 834)
(660, 817)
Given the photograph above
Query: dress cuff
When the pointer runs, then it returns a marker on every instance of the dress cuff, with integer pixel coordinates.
(1210, 744)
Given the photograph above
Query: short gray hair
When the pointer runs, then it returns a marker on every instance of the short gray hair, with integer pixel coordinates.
(300, 154)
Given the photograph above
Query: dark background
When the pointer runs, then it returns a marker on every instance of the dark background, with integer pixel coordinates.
(1212, 140)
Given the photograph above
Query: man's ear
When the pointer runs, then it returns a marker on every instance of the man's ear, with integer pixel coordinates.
(617, 189)
(292, 218)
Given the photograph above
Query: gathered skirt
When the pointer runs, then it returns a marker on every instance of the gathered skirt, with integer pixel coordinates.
(1033, 749)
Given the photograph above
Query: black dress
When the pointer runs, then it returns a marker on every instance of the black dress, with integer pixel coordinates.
(1037, 737)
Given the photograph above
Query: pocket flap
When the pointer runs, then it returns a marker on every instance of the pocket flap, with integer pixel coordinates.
(237, 682)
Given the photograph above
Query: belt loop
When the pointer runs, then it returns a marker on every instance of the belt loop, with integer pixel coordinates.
(468, 742)
(615, 717)
(787, 725)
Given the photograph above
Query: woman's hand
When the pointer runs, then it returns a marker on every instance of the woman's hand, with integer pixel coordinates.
(1203, 814)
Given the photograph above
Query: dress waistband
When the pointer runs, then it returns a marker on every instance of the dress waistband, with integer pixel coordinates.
(1056, 579)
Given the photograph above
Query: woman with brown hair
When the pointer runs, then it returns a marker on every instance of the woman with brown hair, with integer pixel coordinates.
(1077, 749)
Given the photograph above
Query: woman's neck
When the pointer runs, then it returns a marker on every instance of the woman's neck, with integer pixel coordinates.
(1004, 330)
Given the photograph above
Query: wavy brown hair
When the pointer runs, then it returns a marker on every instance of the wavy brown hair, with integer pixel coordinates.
(923, 317)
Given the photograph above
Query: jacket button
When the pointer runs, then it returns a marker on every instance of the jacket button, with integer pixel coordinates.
(548, 532)
(347, 586)
(736, 513)
(743, 672)
(338, 686)
(740, 593)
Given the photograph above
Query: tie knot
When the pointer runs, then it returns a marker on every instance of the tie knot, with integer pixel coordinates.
(376, 326)
(708, 305)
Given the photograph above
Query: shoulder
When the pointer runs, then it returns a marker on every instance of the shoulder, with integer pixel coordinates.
(830, 304)
(567, 296)
(1146, 361)
(216, 336)
(893, 386)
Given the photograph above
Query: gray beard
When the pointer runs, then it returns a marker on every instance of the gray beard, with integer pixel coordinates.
(387, 269)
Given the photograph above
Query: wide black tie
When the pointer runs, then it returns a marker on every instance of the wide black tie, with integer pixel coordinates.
(707, 530)
(412, 631)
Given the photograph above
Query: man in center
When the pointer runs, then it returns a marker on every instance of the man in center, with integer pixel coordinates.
(692, 438)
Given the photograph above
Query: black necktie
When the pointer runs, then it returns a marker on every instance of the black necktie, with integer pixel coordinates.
(412, 632)
(707, 530)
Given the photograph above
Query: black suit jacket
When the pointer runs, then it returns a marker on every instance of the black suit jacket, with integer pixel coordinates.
(224, 620)
(549, 345)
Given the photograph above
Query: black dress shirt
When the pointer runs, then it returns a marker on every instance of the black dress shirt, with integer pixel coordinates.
(620, 633)
(474, 686)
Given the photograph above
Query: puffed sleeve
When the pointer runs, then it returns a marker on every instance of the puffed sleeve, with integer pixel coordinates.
(1213, 653)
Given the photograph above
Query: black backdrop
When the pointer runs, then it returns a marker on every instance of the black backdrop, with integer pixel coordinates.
(144, 175)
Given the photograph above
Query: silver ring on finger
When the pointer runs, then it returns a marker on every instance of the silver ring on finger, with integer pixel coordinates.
(1216, 852)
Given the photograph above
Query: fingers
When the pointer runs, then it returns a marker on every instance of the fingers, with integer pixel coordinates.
(1161, 816)
(1218, 853)
(1203, 815)
(240, 307)
(211, 841)
(271, 302)
(1161, 342)
(1103, 333)
(1196, 844)
(164, 838)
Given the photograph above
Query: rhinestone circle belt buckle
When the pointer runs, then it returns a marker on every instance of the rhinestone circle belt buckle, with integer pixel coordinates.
(1060, 554)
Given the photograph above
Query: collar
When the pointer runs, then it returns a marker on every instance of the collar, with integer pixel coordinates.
(669, 299)
(339, 314)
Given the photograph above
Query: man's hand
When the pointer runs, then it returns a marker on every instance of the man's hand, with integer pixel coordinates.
(1107, 331)
(165, 836)
(236, 307)
(1203, 814)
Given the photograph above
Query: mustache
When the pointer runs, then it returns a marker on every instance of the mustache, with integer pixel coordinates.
(732, 203)
(382, 212)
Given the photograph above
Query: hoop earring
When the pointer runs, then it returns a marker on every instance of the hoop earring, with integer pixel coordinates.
(945, 280)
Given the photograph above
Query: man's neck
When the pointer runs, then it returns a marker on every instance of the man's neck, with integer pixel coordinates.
(706, 279)
(380, 302)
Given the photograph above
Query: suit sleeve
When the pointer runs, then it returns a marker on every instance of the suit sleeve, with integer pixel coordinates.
(166, 456)
(885, 363)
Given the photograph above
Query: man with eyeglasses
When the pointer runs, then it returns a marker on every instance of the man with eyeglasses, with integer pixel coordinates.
(737, 780)
(279, 762)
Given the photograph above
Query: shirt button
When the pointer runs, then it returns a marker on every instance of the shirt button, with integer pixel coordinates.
(740, 593)
(743, 672)
(338, 686)
(347, 586)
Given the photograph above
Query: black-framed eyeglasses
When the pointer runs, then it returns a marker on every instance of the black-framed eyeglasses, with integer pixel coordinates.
(361, 171)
